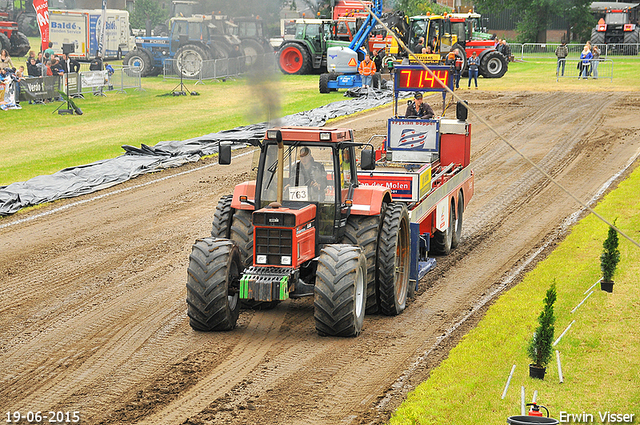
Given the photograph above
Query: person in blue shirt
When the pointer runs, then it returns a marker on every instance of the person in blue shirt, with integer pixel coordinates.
(585, 61)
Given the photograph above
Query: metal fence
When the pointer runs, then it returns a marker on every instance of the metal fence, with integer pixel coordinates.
(78, 84)
(217, 68)
(595, 69)
(547, 50)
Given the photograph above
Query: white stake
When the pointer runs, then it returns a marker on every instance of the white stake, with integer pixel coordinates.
(523, 407)
(585, 298)
(559, 366)
(535, 396)
(562, 334)
(506, 387)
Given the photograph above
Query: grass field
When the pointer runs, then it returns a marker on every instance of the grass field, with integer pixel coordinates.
(599, 354)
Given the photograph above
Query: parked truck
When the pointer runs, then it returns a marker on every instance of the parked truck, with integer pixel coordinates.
(82, 29)
(313, 224)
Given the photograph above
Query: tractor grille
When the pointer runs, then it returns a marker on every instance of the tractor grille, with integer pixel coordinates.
(274, 243)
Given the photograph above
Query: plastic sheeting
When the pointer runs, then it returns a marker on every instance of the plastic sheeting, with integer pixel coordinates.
(85, 179)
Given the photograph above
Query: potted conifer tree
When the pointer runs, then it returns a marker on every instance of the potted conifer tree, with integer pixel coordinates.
(609, 260)
(540, 347)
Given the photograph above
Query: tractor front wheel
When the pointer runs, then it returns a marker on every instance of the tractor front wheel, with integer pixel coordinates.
(139, 62)
(394, 259)
(339, 293)
(213, 285)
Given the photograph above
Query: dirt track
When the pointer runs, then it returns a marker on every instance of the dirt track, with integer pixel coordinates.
(92, 297)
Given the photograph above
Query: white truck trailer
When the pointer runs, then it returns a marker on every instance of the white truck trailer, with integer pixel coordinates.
(82, 28)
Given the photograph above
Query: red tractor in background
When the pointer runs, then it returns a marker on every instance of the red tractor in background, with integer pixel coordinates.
(11, 39)
(312, 224)
(444, 33)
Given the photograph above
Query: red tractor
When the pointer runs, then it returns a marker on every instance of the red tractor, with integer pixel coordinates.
(311, 224)
(15, 42)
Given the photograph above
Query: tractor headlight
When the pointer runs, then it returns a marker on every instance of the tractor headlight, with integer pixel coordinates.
(261, 259)
(285, 260)
(325, 136)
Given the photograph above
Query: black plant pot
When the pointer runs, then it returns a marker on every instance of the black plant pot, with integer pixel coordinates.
(537, 372)
(606, 285)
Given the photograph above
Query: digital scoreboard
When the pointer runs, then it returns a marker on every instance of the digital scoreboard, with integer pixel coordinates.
(416, 78)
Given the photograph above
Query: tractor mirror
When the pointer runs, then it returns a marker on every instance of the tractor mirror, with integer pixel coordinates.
(224, 154)
(367, 160)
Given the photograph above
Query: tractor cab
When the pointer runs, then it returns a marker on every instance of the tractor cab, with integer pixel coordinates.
(318, 168)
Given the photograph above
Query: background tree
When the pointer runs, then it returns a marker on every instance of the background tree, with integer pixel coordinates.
(536, 15)
(419, 7)
(147, 9)
(580, 20)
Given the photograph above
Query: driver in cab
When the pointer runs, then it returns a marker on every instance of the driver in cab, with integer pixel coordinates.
(308, 172)
(418, 108)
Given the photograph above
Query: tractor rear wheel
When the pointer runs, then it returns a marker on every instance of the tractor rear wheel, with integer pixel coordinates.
(493, 65)
(597, 37)
(252, 52)
(5, 44)
(294, 58)
(139, 62)
(213, 285)
(19, 44)
(28, 25)
(189, 60)
(394, 259)
(441, 241)
(457, 226)
(241, 233)
(631, 39)
(363, 231)
(221, 226)
(339, 293)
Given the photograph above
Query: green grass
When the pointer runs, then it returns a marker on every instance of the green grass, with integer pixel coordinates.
(599, 354)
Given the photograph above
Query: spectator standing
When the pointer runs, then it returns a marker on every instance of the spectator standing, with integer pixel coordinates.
(40, 58)
(366, 69)
(32, 68)
(49, 50)
(5, 60)
(56, 67)
(562, 51)
(377, 59)
(506, 49)
(455, 61)
(473, 69)
(585, 60)
(595, 52)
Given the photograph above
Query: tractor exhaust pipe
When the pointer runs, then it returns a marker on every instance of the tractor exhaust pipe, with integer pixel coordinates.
(280, 187)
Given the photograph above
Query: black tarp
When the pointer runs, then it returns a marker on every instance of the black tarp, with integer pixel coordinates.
(89, 178)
